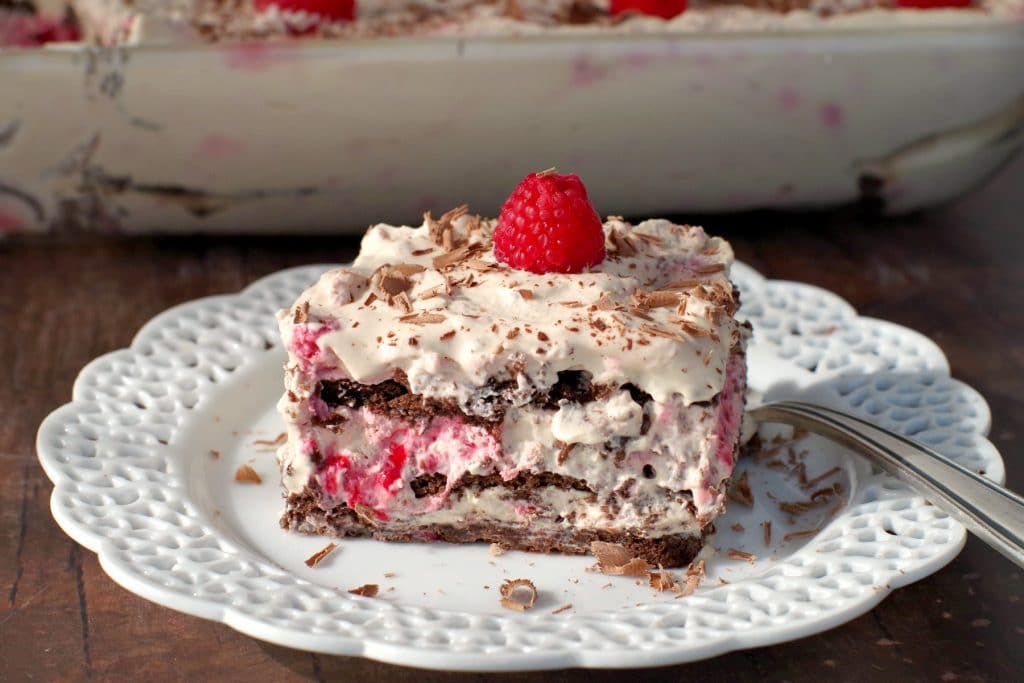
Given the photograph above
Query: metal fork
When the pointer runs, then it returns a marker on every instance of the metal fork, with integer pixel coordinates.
(994, 514)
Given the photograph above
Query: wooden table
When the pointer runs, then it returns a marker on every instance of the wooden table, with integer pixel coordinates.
(956, 275)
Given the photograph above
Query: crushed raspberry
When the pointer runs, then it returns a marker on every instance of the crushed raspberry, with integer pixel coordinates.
(666, 9)
(333, 467)
(21, 29)
(330, 10)
(933, 4)
(304, 342)
(392, 468)
(548, 225)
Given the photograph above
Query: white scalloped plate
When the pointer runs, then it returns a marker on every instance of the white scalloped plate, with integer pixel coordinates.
(135, 481)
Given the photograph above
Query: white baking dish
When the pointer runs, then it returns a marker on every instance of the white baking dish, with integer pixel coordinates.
(331, 136)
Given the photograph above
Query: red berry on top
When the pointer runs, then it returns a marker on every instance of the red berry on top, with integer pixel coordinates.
(548, 225)
(331, 10)
(933, 4)
(666, 9)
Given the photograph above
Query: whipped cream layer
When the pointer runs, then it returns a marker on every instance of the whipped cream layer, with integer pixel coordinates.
(657, 313)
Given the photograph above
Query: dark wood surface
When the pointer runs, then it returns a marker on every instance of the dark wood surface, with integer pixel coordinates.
(954, 274)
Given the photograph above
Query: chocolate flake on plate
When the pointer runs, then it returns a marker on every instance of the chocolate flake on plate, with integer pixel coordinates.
(276, 441)
(512, 591)
(368, 590)
(247, 475)
(735, 554)
(563, 608)
(800, 534)
(214, 453)
(767, 526)
(616, 560)
(315, 559)
(662, 580)
(740, 491)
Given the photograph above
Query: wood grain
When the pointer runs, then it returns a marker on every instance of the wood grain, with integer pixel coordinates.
(953, 274)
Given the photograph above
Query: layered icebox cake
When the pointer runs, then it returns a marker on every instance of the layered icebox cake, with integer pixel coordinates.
(541, 381)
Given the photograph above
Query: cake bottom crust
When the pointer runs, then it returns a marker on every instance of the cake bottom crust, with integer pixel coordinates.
(305, 514)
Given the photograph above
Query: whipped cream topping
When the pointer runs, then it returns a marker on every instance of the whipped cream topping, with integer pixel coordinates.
(438, 308)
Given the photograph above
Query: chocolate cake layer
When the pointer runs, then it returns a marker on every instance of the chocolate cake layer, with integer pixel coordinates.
(305, 514)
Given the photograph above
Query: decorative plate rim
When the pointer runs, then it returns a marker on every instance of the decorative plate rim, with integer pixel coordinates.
(99, 420)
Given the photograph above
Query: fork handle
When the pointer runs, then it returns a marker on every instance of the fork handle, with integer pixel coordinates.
(991, 512)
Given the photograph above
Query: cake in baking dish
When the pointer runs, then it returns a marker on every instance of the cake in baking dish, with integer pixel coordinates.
(540, 381)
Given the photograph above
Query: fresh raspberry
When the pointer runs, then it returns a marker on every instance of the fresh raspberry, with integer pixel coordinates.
(331, 10)
(933, 4)
(666, 9)
(548, 225)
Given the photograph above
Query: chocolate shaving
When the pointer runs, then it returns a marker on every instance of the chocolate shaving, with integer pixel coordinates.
(450, 334)
(640, 313)
(679, 284)
(740, 491)
(734, 554)
(616, 560)
(656, 241)
(658, 331)
(247, 475)
(214, 453)
(767, 526)
(497, 550)
(367, 590)
(800, 534)
(315, 559)
(403, 302)
(694, 574)
(563, 608)
(450, 257)
(571, 304)
(422, 252)
(563, 453)
(512, 594)
(710, 269)
(525, 293)
(658, 299)
(662, 581)
(394, 283)
(808, 483)
(606, 303)
(301, 313)
(278, 440)
(408, 269)
(423, 318)
(622, 244)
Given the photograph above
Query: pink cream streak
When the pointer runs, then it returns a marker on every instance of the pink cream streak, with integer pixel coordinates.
(448, 445)
(304, 344)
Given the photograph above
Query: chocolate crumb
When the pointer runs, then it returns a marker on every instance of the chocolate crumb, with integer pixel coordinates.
(247, 475)
(315, 559)
(214, 453)
(368, 590)
(737, 527)
(497, 550)
(734, 554)
(512, 594)
(563, 608)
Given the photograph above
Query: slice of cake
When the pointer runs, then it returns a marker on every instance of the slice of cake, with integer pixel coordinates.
(541, 381)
